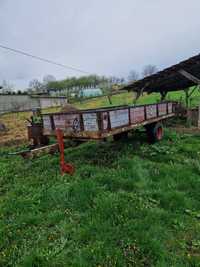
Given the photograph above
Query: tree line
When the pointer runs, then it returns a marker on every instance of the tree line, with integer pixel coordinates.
(106, 84)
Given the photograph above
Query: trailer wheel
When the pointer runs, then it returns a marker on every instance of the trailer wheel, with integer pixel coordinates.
(120, 136)
(155, 132)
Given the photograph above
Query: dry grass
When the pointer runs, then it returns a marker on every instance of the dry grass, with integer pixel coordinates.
(16, 128)
(16, 125)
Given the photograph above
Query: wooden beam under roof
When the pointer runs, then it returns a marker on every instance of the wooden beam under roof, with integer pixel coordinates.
(190, 77)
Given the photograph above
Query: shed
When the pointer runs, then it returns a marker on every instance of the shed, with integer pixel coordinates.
(177, 77)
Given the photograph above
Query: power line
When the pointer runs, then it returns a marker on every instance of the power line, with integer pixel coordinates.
(42, 59)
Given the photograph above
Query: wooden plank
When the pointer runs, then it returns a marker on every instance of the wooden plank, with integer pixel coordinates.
(162, 109)
(151, 111)
(170, 108)
(90, 122)
(137, 114)
(190, 77)
(119, 118)
(67, 122)
(39, 151)
(47, 124)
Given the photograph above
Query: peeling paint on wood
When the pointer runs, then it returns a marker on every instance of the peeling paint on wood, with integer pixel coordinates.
(119, 118)
(90, 122)
(137, 114)
(101, 123)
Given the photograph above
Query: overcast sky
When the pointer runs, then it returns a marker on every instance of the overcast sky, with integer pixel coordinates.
(106, 37)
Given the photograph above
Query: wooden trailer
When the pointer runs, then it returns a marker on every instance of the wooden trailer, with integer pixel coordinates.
(95, 124)
(98, 124)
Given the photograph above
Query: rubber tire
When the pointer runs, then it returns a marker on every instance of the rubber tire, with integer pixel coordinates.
(155, 132)
(120, 136)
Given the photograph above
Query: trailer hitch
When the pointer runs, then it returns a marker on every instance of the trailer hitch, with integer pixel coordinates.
(64, 167)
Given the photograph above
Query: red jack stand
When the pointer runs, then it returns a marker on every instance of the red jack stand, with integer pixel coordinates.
(65, 167)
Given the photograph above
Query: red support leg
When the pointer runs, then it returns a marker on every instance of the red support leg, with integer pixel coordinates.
(65, 167)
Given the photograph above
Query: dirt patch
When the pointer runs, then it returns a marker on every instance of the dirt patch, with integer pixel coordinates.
(16, 125)
(68, 108)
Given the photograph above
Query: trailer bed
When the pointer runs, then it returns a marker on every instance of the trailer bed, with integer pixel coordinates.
(104, 122)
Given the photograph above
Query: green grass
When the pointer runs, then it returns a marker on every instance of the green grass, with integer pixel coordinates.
(127, 99)
(128, 204)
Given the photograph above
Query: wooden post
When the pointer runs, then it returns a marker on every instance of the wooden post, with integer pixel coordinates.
(109, 99)
(138, 94)
(199, 116)
(163, 95)
(187, 97)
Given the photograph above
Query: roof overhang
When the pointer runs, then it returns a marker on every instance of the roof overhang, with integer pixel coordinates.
(175, 78)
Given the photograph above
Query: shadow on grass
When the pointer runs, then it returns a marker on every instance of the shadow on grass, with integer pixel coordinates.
(105, 154)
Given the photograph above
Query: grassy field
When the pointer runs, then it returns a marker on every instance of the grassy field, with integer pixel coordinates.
(128, 204)
(128, 98)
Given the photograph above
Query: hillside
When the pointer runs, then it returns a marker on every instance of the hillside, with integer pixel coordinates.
(128, 204)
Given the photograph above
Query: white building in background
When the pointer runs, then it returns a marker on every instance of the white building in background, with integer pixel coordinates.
(89, 92)
(81, 92)
(48, 101)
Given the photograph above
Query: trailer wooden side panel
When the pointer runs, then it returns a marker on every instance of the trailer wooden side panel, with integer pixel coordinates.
(100, 123)
(137, 114)
(47, 122)
(151, 111)
(162, 109)
(90, 122)
(119, 118)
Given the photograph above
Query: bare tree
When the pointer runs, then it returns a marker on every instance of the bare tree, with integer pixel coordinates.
(133, 76)
(7, 87)
(149, 70)
(35, 85)
(48, 78)
(114, 80)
